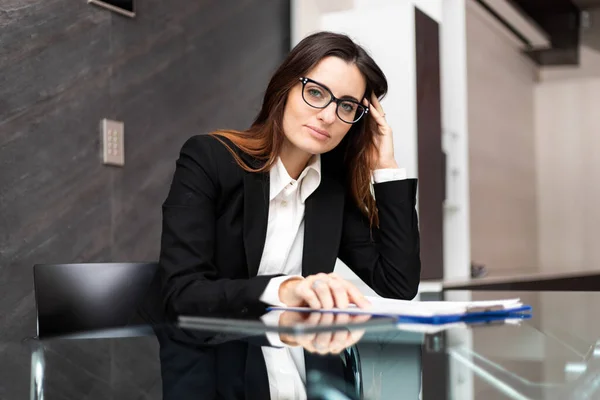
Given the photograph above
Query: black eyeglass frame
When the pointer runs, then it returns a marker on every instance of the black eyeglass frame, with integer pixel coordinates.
(333, 99)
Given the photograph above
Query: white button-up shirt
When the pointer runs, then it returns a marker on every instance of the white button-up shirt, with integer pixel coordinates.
(282, 254)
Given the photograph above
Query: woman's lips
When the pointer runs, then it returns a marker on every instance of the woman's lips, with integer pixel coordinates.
(319, 133)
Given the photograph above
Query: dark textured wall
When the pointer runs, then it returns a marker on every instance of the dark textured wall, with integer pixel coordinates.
(179, 68)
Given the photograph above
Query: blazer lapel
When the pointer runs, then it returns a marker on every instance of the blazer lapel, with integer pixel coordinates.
(323, 219)
(256, 213)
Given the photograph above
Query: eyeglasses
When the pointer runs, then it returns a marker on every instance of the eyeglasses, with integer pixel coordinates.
(319, 96)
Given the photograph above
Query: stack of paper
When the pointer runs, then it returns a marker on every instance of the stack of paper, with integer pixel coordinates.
(437, 308)
(429, 311)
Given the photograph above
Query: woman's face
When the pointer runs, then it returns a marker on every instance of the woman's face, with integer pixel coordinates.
(319, 130)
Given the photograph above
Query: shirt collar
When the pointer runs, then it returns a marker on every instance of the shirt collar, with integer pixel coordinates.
(309, 179)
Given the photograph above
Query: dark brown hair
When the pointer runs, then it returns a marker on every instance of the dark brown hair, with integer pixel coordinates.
(265, 137)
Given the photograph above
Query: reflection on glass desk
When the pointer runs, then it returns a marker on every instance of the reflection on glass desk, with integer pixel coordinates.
(554, 355)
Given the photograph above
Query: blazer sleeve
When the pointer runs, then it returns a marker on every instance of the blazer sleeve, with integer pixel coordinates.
(190, 281)
(388, 260)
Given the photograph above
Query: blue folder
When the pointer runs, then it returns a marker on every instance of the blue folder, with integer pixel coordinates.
(523, 312)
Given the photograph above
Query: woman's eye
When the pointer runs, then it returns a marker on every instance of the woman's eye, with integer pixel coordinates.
(315, 92)
(348, 107)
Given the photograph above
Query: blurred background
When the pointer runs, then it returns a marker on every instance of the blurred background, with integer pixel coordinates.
(493, 103)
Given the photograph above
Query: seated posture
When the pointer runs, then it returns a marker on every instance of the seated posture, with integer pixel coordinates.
(258, 217)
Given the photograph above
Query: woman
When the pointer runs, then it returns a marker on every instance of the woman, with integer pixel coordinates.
(259, 217)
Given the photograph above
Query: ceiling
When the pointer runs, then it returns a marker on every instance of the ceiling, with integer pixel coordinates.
(562, 21)
(584, 4)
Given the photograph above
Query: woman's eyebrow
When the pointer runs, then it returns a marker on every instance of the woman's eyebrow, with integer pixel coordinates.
(348, 97)
(345, 97)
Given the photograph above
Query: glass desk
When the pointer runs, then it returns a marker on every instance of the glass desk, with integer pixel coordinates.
(554, 355)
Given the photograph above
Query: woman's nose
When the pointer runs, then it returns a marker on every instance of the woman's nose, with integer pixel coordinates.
(328, 113)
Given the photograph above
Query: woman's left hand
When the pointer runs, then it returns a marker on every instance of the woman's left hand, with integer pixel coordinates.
(384, 156)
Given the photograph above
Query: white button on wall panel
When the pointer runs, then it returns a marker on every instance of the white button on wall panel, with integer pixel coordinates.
(113, 142)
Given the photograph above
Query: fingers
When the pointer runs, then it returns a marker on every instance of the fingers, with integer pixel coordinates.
(377, 104)
(378, 115)
(323, 291)
(350, 291)
(322, 287)
(354, 295)
(319, 291)
(340, 294)
(306, 292)
(375, 110)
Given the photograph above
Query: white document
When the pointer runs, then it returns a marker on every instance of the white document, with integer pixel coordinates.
(409, 308)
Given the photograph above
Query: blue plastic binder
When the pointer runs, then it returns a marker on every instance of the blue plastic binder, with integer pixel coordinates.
(520, 312)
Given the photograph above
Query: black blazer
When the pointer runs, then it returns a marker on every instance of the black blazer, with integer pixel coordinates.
(215, 224)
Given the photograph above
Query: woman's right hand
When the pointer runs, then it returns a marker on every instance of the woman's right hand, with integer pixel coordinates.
(321, 291)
